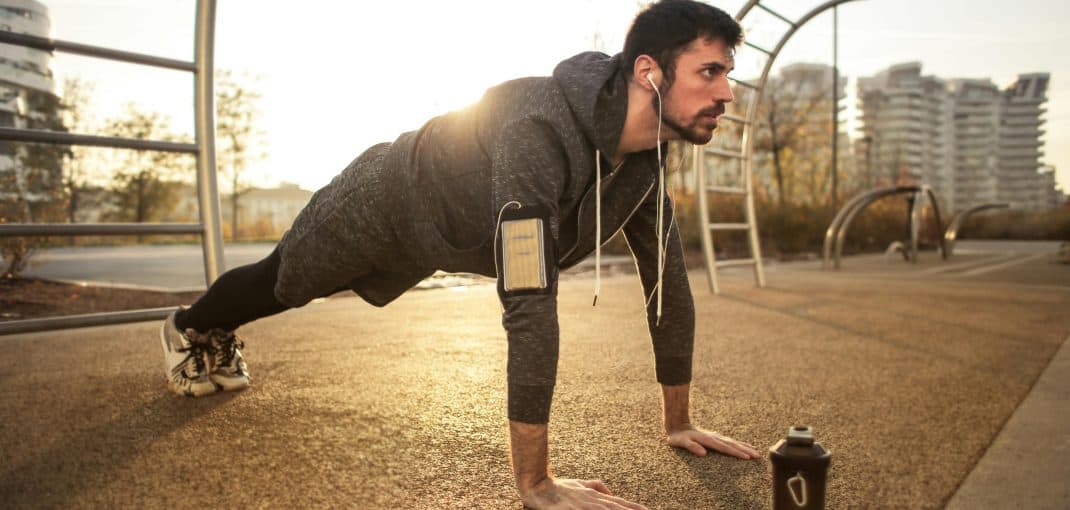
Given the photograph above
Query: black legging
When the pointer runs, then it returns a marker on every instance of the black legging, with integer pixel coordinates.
(239, 296)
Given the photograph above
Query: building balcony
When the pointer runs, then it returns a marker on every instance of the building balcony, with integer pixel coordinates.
(1021, 132)
(1012, 153)
(1023, 108)
(27, 79)
(1025, 164)
(972, 144)
(1024, 120)
(1019, 141)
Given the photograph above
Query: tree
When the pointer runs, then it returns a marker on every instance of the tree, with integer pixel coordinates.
(793, 128)
(77, 95)
(239, 141)
(145, 183)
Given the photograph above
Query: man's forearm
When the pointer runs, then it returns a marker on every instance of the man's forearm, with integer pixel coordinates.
(676, 405)
(530, 454)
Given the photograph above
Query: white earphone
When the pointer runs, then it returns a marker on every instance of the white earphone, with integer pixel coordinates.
(650, 78)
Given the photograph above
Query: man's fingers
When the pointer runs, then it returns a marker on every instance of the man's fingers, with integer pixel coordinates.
(625, 503)
(724, 446)
(597, 485)
(695, 448)
(615, 502)
(750, 449)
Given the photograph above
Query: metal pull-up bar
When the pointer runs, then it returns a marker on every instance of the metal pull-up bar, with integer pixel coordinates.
(204, 148)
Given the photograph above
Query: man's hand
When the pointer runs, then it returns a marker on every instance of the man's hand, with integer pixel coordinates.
(561, 494)
(697, 441)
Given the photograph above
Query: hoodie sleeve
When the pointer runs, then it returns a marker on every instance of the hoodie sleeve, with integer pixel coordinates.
(529, 168)
(674, 338)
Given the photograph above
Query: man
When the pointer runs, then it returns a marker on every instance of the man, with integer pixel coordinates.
(531, 179)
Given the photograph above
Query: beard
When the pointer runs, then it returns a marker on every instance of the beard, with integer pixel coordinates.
(694, 132)
(697, 129)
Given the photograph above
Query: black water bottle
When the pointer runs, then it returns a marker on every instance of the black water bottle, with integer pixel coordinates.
(800, 469)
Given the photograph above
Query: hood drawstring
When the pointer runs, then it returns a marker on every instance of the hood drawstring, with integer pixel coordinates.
(663, 241)
(661, 212)
(597, 225)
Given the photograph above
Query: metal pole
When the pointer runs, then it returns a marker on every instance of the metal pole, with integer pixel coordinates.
(83, 321)
(204, 105)
(97, 229)
(869, 160)
(52, 45)
(835, 102)
(699, 164)
(915, 220)
(62, 138)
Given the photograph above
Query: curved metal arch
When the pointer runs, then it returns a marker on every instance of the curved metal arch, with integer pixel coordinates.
(752, 106)
(834, 228)
(868, 198)
(952, 233)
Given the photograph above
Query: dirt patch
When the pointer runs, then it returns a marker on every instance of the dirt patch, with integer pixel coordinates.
(27, 298)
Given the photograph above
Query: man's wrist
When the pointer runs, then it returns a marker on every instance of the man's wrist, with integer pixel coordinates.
(530, 456)
(676, 427)
(532, 486)
(676, 406)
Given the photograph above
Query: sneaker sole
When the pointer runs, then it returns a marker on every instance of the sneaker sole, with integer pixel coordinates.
(230, 384)
(189, 392)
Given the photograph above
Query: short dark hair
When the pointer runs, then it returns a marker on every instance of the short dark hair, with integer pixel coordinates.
(665, 28)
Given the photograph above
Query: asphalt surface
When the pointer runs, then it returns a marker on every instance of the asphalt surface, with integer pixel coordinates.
(177, 267)
(907, 376)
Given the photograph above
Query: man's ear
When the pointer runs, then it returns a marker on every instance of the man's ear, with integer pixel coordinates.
(646, 67)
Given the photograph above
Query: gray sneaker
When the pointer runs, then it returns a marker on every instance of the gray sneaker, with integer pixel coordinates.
(186, 358)
(229, 371)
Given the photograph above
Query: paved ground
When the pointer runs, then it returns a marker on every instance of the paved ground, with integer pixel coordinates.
(166, 267)
(1025, 467)
(907, 373)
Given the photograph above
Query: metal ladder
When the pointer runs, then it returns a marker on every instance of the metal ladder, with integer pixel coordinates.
(747, 191)
(744, 155)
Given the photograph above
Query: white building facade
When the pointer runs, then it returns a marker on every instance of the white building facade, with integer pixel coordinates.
(906, 130)
(1019, 154)
(277, 207)
(976, 137)
(972, 142)
(24, 72)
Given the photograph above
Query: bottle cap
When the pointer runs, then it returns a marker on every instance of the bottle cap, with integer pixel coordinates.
(800, 435)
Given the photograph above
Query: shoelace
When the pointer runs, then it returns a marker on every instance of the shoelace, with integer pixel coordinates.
(196, 352)
(227, 343)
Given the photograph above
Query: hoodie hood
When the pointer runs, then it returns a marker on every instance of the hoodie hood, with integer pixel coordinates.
(597, 93)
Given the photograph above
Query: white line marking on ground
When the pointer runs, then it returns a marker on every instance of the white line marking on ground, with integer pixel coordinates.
(996, 267)
(970, 264)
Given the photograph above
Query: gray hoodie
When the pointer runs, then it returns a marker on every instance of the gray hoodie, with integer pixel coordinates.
(432, 200)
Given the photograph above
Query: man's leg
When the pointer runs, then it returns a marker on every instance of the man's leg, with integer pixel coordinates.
(201, 351)
(239, 296)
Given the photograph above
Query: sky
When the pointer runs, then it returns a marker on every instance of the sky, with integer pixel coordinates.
(337, 77)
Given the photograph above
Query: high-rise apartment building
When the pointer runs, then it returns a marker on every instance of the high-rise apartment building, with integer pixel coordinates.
(976, 138)
(26, 87)
(969, 140)
(1021, 107)
(905, 130)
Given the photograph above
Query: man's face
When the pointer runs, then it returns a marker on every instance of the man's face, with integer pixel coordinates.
(699, 91)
